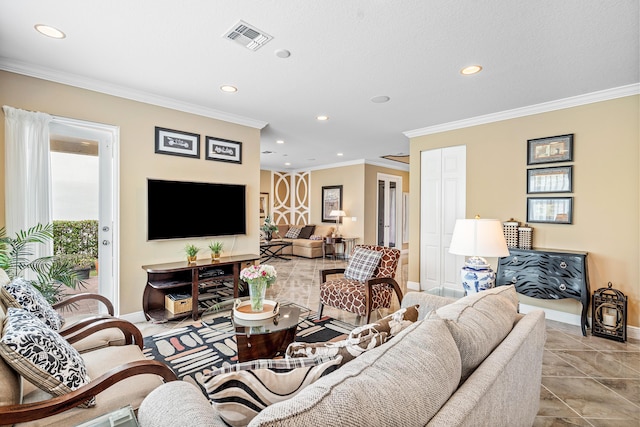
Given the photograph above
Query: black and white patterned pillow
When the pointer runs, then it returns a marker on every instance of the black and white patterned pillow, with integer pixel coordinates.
(41, 355)
(362, 264)
(293, 232)
(20, 293)
(239, 392)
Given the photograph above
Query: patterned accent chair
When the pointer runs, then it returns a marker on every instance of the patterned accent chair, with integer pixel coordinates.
(362, 296)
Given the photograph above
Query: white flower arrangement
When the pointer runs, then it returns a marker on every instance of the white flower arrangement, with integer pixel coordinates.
(262, 272)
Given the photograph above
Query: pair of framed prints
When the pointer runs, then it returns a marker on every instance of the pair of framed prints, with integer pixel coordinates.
(186, 144)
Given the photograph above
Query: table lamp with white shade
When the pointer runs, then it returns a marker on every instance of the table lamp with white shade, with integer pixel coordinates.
(337, 214)
(478, 238)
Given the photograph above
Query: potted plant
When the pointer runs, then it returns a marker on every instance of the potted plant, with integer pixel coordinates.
(268, 228)
(54, 273)
(81, 264)
(192, 252)
(216, 249)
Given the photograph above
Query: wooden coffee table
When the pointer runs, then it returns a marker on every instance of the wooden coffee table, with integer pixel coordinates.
(264, 339)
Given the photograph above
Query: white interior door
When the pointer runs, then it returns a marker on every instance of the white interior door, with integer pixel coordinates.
(107, 138)
(389, 210)
(442, 201)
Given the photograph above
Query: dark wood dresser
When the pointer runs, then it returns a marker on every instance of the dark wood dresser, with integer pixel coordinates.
(547, 274)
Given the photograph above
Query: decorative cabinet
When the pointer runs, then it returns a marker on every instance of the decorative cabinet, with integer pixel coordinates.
(204, 281)
(547, 274)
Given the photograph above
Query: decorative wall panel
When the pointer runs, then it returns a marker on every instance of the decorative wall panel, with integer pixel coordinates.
(291, 197)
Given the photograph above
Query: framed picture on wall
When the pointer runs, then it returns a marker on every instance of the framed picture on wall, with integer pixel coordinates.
(550, 150)
(177, 143)
(331, 200)
(550, 180)
(555, 210)
(264, 205)
(224, 150)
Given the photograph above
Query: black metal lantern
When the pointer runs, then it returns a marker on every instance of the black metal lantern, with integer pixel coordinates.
(609, 313)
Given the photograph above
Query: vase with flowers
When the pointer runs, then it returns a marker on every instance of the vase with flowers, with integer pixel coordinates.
(259, 278)
(268, 228)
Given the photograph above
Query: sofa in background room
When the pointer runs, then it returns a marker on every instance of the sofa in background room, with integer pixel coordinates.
(308, 242)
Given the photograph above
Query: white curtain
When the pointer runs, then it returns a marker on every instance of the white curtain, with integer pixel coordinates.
(27, 173)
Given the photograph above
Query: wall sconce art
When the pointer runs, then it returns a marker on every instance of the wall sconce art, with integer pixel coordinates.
(609, 312)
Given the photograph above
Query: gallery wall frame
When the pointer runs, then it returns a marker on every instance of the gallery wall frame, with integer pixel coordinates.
(551, 149)
(331, 200)
(264, 205)
(557, 179)
(553, 210)
(177, 143)
(223, 150)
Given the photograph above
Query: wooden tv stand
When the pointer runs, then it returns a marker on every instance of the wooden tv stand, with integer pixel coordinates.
(193, 279)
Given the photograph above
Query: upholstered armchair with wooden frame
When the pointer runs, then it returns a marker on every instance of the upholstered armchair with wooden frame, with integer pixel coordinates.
(119, 376)
(100, 338)
(368, 282)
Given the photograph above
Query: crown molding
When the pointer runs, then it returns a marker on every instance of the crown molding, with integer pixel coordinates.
(575, 101)
(404, 168)
(124, 92)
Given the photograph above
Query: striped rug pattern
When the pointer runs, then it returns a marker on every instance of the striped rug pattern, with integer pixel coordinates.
(196, 349)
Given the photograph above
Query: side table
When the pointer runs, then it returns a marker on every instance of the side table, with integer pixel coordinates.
(333, 243)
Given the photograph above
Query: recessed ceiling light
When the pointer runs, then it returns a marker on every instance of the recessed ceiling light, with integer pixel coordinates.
(340, 154)
(228, 88)
(323, 118)
(287, 164)
(49, 31)
(471, 69)
(279, 141)
(380, 99)
(282, 53)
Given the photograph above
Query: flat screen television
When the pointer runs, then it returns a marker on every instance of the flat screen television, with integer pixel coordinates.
(182, 209)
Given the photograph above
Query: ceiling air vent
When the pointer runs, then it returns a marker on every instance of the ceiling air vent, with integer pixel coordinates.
(247, 35)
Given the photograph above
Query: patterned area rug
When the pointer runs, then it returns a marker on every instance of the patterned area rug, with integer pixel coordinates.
(194, 350)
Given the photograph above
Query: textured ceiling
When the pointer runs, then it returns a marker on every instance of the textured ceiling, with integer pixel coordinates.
(343, 53)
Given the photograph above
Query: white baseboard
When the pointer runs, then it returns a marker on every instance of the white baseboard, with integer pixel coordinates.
(136, 317)
(414, 286)
(572, 319)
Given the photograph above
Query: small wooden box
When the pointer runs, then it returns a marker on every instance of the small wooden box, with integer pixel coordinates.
(178, 303)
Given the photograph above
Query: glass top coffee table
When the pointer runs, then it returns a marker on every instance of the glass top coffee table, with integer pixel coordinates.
(259, 339)
(273, 249)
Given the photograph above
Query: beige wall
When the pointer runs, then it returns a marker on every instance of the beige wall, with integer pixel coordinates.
(352, 180)
(138, 162)
(606, 183)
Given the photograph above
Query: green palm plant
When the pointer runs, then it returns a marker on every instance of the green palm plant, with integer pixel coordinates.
(53, 273)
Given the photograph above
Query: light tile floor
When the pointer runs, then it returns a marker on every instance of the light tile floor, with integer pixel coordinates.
(586, 381)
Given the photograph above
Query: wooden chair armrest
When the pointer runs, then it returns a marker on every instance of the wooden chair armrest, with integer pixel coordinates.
(80, 324)
(85, 295)
(132, 334)
(389, 280)
(328, 271)
(12, 414)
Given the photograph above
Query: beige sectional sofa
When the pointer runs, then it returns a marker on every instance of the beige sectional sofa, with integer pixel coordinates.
(307, 248)
(468, 362)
